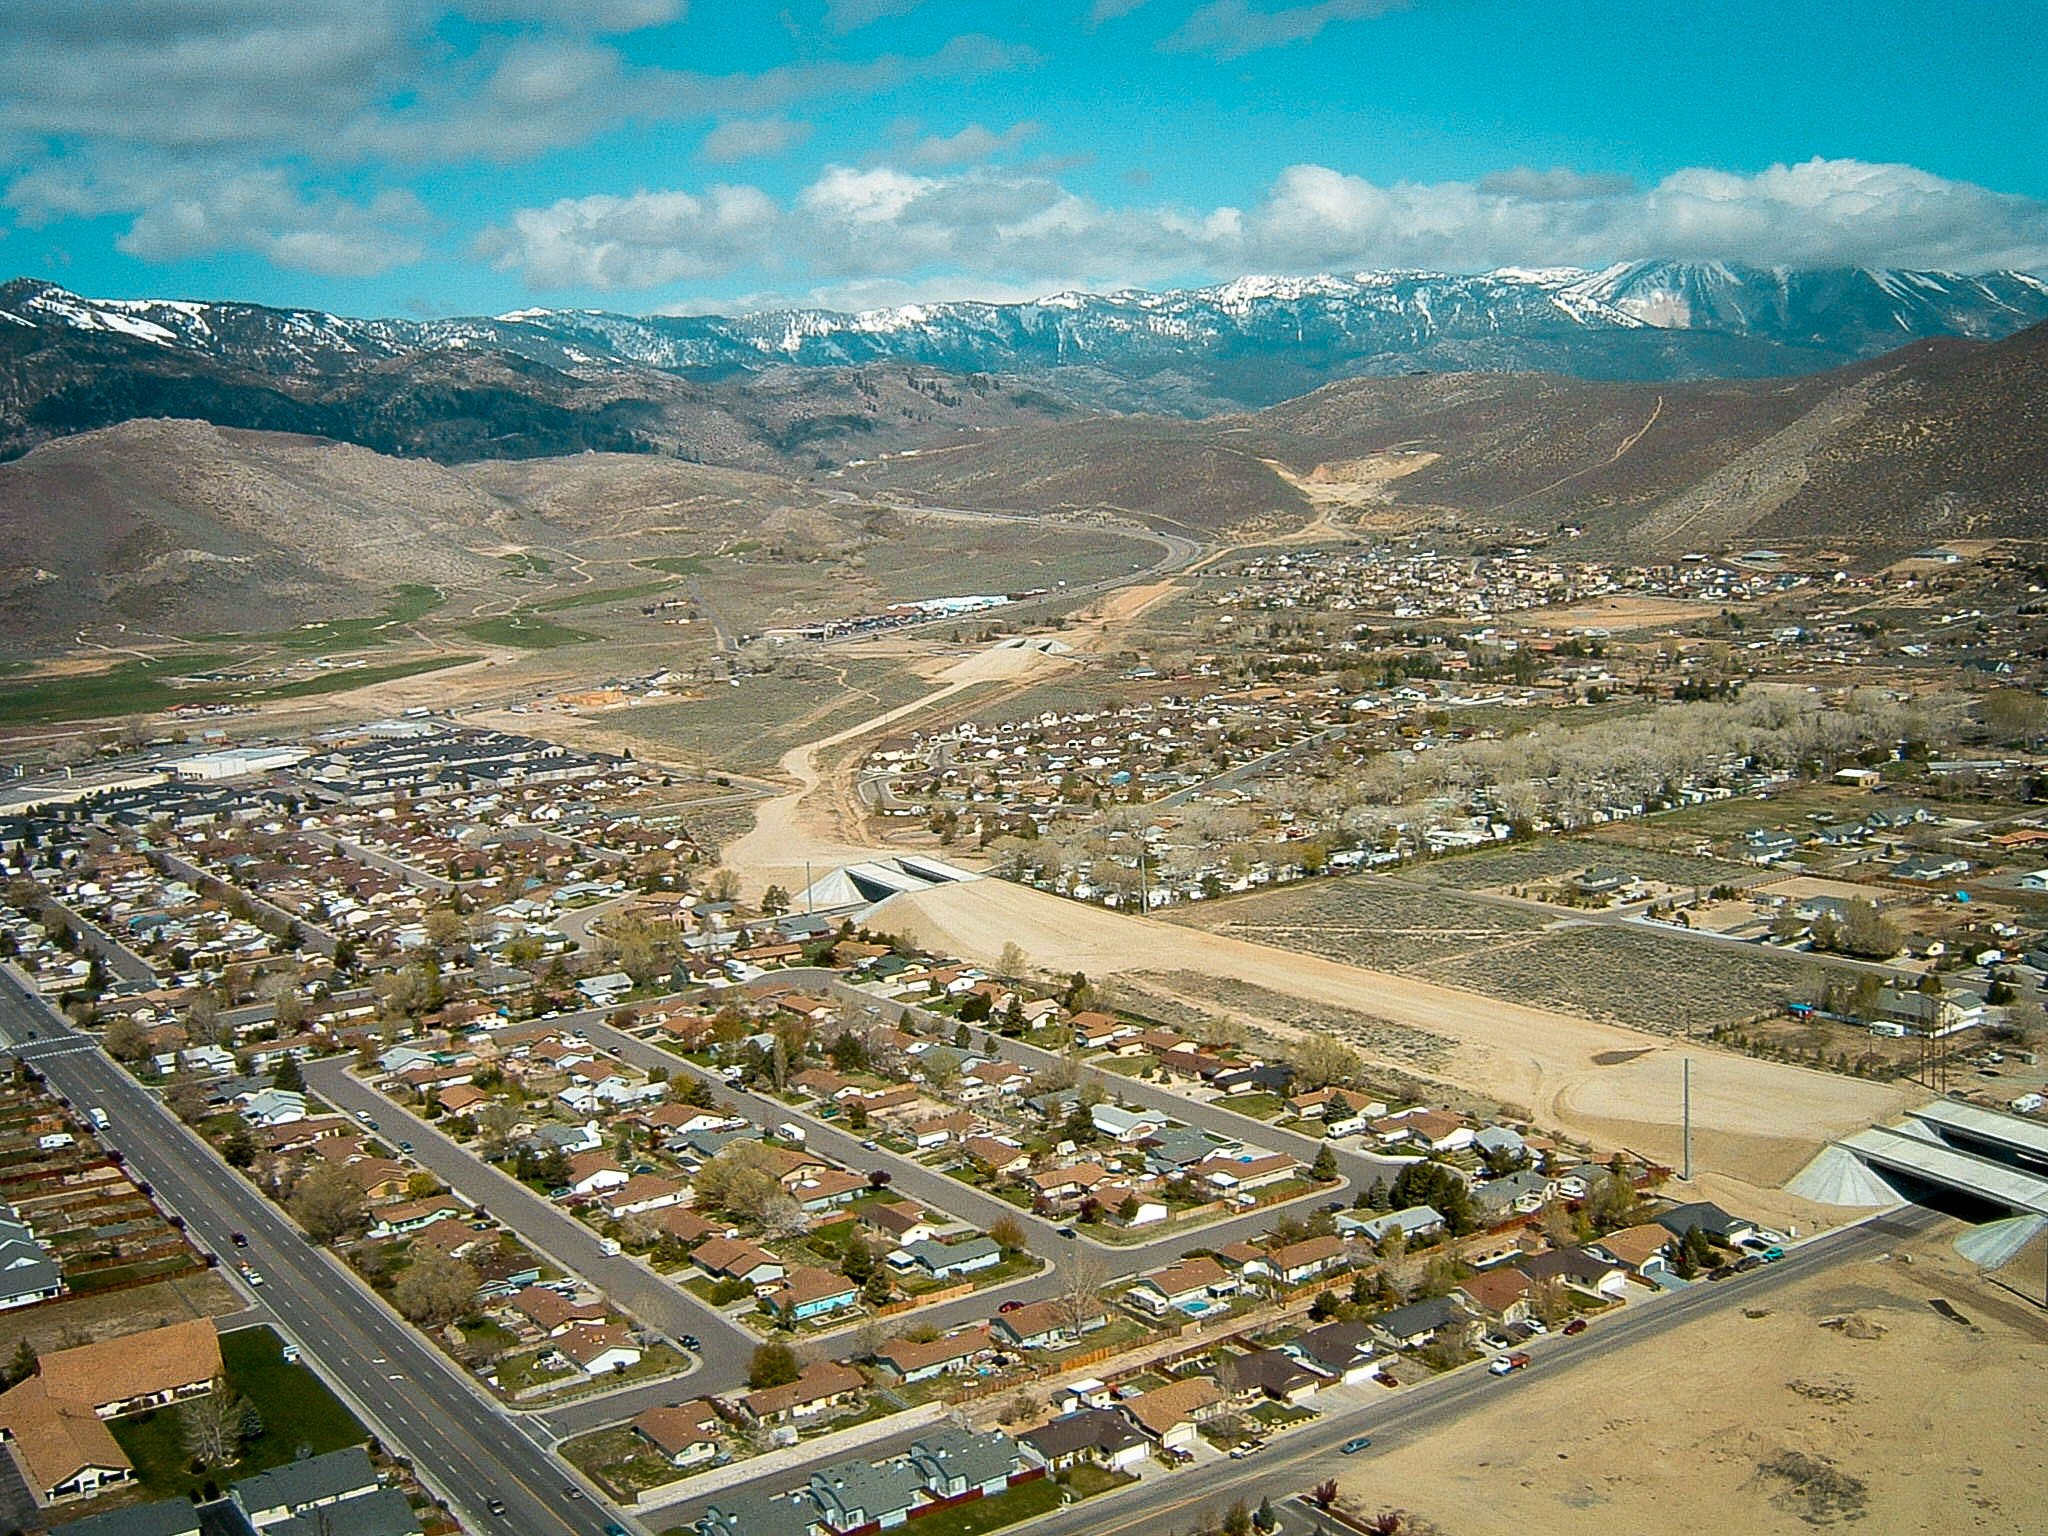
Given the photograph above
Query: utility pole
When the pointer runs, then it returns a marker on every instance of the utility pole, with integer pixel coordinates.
(807, 887)
(1688, 1119)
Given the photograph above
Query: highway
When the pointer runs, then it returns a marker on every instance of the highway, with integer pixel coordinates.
(1296, 1460)
(408, 1392)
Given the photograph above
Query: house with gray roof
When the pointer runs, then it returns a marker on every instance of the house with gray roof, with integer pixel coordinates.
(955, 1462)
(1420, 1321)
(1099, 1435)
(317, 1482)
(387, 1512)
(27, 1272)
(743, 1513)
(1412, 1222)
(944, 1260)
(853, 1494)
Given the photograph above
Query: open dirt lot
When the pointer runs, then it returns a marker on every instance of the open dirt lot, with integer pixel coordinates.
(1770, 1424)
(1754, 1120)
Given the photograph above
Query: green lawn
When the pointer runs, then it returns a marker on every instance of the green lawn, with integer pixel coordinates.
(1026, 1501)
(1085, 1480)
(527, 633)
(296, 1408)
(590, 597)
(124, 689)
(346, 678)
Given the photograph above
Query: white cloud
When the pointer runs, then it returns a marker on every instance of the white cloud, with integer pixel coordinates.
(263, 212)
(1230, 29)
(752, 138)
(887, 228)
(970, 145)
(844, 16)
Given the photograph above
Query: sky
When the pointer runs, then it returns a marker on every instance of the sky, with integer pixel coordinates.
(410, 157)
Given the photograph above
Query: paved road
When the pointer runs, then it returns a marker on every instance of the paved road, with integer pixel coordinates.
(1294, 1462)
(409, 1393)
(122, 962)
(315, 937)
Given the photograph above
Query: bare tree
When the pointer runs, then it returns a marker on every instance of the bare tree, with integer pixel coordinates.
(210, 1427)
(1082, 1277)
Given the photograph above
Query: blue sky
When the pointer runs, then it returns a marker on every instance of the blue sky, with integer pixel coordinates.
(395, 156)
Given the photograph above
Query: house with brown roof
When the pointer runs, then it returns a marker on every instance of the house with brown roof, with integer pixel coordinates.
(595, 1348)
(62, 1447)
(460, 1098)
(136, 1371)
(641, 1192)
(824, 1384)
(403, 1216)
(728, 1258)
(1185, 1283)
(1000, 1157)
(1640, 1250)
(1499, 1294)
(1048, 1324)
(904, 1221)
(940, 1129)
(552, 1312)
(686, 1433)
(1234, 1174)
(808, 1291)
(1170, 1415)
(1299, 1263)
(908, 1361)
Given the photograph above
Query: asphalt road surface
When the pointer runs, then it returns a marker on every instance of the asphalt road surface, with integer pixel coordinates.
(411, 1395)
(1298, 1459)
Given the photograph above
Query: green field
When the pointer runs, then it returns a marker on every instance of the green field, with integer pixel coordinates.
(675, 565)
(409, 603)
(125, 689)
(528, 634)
(297, 1410)
(345, 679)
(591, 597)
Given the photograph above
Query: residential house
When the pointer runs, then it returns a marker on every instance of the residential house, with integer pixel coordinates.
(807, 1292)
(1269, 1373)
(1128, 1126)
(944, 1261)
(1244, 1171)
(1521, 1193)
(909, 1360)
(296, 1488)
(591, 1173)
(1186, 1285)
(135, 1371)
(595, 1348)
(998, 1156)
(553, 1313)
(1299, 1263)
(62, 1448)
(955, 1463)
(727, 1258)
(824, 1384)
(1417, 1323)
(1049, 1324)
(1642, 1250)
(1414, 1223)
(1099, 1436)
(1343, 1350)
(406, 1216)
(903, 1221)
(1709, 1218)
(1500, 1294)
(862, 1495)
(827, 1190)
(686, 1433)
(640, 1193)
(1580, 1270)
(27, 1272)
(1171, 1415)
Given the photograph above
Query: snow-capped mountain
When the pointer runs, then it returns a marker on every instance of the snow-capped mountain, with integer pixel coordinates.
(1247, 338)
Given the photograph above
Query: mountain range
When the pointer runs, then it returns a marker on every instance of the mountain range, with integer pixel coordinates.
(804, 389)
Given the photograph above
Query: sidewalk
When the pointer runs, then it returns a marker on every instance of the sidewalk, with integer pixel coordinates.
(836, 1446)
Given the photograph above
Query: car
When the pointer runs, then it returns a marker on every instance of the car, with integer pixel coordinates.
(1355, 1444)
(496, 1506)
(253, 1276)
(1502, 1365)
(1010, 1306)
(1772, 1254)
(1179, 1457)
(1535, 1326)
(871, 1146)
(1333, 1206)
(613, 1528)
(239, 1239)
(688, 1341)
(1575, 1327)
(562, 1192)
(1721, 1273)
(1239, 1452)
(405, 1146)
(1066, 1232)
(571, 1491)
(1744, 1265)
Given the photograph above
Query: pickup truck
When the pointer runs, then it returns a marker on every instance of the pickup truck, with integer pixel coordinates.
(1501, 1365)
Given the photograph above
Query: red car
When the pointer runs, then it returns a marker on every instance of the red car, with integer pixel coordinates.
(1576, 1325)
(1010, 1306)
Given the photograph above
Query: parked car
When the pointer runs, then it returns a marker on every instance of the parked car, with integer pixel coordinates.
(1575, 1327)
(1355, 1444)
(1066, 1232)
(1010, 1306)
(1239, 1452)
(688, 1341)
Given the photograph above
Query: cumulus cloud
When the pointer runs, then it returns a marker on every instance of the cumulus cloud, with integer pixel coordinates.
(988, 230)
(1111, 10)
(1230, 29)
(751, 138)
(969, 146)
(262, 212)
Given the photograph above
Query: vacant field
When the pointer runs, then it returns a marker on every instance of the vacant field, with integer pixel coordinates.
(1662, 984)
(1365, 920)
(524, 632)
(942, 557)
(111, 1314)
(592, 597)
(409, 603)
(348, 679)
(1763, 1419)
(1526, 863)
(750, 727)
